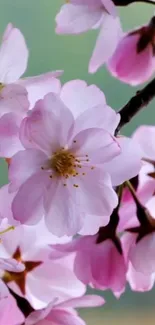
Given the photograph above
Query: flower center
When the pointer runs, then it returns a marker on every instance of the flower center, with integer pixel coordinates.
(63, 163)
(20, 277)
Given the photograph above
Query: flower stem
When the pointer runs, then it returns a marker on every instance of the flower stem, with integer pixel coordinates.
(136, 103)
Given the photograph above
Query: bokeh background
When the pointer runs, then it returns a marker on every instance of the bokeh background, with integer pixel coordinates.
(36, 19)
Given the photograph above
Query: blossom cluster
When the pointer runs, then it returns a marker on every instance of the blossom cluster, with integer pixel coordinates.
(78, 209)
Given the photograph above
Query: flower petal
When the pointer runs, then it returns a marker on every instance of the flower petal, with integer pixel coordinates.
(45, 128)
(79, 97)
(127, 164)
(9, 135)
(108, 38)
(97, 144)
(74, 19)
(23, 165)
(13, 55)
(100, 116)
(39, 86)
(27, 206)
(62, 215)
(14, 98)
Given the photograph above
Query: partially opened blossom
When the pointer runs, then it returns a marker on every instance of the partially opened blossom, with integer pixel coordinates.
(133, 61)
(64, 313)
(29, 246)
(16, 95)
(9, 312)
(69, 161)
(99, 264)
(140, 274)
(79, 16)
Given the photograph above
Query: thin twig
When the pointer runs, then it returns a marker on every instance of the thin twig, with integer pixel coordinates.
(136, 103)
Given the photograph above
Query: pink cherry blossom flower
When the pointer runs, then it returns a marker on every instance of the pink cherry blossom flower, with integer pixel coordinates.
(138, 279)
(67, 165)
(68, 161)
(9, 311)
(99, 264)
(64, 313)
(133, 61)
(30, 246)
(79, 16)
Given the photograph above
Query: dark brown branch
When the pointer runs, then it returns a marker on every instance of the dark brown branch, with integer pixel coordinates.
(136, 103)
(123, 3)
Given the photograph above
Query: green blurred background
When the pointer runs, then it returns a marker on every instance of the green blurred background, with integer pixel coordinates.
(48, 52)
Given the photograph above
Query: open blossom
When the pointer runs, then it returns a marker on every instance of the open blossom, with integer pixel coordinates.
(16, 95)
(133, 61)
(100, 265)
(79, 16)
(73, 161)
(30, 246)
(64, 313)
(140, 270)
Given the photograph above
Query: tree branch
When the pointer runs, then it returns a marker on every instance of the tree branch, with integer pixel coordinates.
(136, 103)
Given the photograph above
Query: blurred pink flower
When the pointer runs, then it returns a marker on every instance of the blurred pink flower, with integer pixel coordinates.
(64, 313)
(100, 265)
(30, 246)
(133, 61)
(79, 16)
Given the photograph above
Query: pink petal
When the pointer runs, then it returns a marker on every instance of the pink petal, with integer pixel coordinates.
(139, 66)
(84, 302)
(9, 135)
(79, 97)
(23, 165)
(27, 206)
(74, 19)
(101, 116)
(36, 130)
(11, 265)
(110, 7)
(93, 223)
(108, 267)
(13, 56)
(58, 281)
(62, 216)
(97, 143)
(6, 199)
(94, 194)
(144, 135)
(106, 43)
(63, 317)
(39, 86)
(145, 247)
(14, 98)
(9, 312)
(38, 315)
(123, 167)
(139, 281)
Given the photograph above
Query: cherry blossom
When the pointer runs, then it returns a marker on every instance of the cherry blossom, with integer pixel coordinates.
(79, 16)
(62, 313)
(133, 61)
(73, 164)
(99, 264)
(30, 246)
